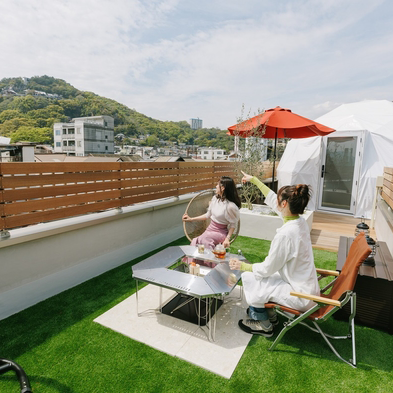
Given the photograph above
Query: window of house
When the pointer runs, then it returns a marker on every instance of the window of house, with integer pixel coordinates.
(58, 132)
(58, 144)
(64, 131)
(64, 143)
(106, 147)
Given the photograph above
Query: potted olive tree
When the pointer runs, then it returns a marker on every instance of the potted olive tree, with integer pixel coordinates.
(257, 219)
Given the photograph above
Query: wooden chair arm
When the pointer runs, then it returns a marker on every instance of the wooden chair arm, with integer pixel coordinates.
(325, 272)
(318, 299)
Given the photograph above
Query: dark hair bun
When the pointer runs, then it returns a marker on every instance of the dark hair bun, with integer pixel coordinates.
(302, 190)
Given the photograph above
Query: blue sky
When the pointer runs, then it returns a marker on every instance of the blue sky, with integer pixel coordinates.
(178, 59)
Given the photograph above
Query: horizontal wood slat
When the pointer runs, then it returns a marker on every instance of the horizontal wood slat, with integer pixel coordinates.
(54, 203)
(67, 178)
(31, 193)
(387, 188)
(53, 191)
(17, 168)
(149, 190)
(55, 214)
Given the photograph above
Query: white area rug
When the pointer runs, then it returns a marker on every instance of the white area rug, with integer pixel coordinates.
(179, 338)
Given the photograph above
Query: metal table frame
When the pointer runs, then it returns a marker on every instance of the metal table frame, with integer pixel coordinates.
(166, 269)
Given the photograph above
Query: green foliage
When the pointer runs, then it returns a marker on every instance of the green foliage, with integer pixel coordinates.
(9, 114)
(250, 161)
(12, 125)
(153, 141)
(43, 112)
(32, 134)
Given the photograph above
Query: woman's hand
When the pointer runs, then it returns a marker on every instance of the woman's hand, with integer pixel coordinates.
(186, 217)
(246, 178)
(235, 264)
(226, 243)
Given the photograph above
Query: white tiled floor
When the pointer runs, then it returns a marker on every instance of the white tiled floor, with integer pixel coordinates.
(180, 338)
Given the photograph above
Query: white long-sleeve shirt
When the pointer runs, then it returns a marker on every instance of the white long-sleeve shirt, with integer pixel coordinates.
(223, 212)
(288, 267)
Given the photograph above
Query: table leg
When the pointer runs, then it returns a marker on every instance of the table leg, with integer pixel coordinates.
(160, 300)
(199, 312)
(137, 298)
(215, 320)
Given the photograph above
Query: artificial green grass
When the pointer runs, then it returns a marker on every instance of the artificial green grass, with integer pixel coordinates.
(63, 350)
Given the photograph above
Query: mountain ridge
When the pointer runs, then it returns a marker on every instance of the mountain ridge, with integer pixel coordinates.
(26, 114)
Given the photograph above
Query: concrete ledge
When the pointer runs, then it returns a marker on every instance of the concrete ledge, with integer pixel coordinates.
(260, 226)
(43, 260)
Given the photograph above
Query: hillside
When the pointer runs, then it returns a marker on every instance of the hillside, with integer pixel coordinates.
(28, 114)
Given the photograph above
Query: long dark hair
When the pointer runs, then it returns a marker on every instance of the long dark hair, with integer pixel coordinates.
(230, 190)
(297, 197)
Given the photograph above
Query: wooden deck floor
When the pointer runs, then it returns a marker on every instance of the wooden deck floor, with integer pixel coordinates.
(327, 229)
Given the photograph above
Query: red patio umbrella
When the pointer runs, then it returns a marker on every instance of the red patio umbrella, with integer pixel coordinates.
(279, 123)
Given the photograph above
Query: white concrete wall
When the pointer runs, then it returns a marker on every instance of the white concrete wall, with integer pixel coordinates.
(42, 260)
(261, 226)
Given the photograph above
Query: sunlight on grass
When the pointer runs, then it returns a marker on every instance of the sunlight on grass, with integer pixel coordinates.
(63, 350)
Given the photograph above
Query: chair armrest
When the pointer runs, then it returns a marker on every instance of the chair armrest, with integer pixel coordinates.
(325, 272)
(317, 299)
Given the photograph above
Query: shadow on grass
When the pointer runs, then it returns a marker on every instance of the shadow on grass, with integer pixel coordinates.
(371, 345)
(37, 381)
(23, 332)
(29, 328)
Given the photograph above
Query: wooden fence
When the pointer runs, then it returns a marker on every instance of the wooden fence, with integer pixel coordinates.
(387, 188)
(32, 193)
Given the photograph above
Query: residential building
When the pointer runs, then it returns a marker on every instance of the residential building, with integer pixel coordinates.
(16, 152)
(209, 153)
(85, 135)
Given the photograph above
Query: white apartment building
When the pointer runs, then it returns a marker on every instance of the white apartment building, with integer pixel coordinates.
(209, 153)
(85, 135)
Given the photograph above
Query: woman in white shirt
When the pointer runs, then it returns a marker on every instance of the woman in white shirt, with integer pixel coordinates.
(289, 265)
(223, 212)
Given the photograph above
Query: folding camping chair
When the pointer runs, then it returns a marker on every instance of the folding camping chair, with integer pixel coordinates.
(326, 305)
(196, 207)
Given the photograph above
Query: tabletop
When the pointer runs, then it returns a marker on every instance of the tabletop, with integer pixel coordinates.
(157, 270)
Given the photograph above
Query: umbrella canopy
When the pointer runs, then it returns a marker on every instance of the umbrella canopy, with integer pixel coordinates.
(279, 123)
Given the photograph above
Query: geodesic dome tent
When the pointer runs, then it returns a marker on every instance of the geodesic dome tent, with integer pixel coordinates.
(365, 132)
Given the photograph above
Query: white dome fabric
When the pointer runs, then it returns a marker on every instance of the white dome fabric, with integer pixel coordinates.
(301, 161)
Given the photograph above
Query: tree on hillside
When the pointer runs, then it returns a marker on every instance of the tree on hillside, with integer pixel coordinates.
(28, 103)
(32, 134)
(12, 125)
(71, 107)
(152, 141)
(9, 114)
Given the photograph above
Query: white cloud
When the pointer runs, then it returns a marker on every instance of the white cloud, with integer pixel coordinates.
(175, 59)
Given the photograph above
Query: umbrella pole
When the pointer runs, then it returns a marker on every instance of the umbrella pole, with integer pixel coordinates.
(274, 159)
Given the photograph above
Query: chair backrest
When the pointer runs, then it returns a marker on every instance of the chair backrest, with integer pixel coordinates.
(358, 252)
(197, 206)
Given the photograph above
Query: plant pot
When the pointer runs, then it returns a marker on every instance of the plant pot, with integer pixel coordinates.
(256, 224)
